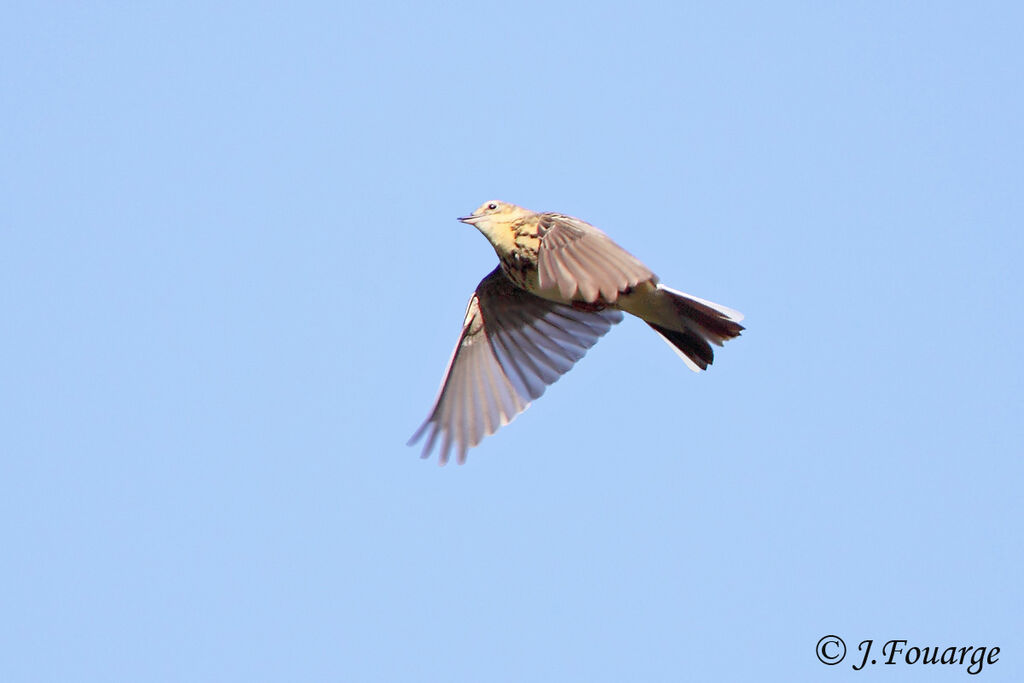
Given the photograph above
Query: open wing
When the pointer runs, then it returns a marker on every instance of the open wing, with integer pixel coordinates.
(513, 345)
(577, 257)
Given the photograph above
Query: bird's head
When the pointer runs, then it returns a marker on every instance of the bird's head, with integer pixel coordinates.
(492, 217)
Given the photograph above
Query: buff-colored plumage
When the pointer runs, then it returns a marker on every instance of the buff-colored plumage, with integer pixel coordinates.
(560, 286)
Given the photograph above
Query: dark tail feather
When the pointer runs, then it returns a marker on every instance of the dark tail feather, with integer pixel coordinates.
(715, 326)
(702, 324)
(690, 344)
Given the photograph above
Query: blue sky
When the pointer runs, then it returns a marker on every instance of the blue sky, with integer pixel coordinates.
(231, 278)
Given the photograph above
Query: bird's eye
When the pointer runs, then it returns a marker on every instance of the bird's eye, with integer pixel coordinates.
(492, 206)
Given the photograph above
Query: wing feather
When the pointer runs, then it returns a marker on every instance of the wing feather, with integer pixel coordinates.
(512, 347)
(581, 261)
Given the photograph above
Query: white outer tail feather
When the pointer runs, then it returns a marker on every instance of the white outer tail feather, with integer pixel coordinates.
(730, 313)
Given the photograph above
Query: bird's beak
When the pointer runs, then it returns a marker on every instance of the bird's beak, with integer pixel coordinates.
(470, 220)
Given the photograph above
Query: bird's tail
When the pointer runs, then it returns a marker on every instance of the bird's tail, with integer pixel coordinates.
(698, 324)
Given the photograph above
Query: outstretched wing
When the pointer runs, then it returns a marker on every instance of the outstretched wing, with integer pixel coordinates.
(513, 345)
(577, 257)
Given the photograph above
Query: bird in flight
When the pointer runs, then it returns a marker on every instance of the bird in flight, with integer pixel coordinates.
(560, 286)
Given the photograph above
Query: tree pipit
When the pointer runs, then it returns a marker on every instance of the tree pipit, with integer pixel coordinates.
(560, 285)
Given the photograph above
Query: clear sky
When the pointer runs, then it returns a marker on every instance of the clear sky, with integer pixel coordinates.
(230, 278)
